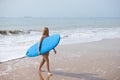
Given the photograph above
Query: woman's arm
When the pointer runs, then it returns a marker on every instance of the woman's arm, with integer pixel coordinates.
(40, 45)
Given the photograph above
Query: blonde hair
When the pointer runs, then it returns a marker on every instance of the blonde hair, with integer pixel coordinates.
(45, 31)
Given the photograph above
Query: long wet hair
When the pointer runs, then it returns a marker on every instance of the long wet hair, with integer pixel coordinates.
(45, 31)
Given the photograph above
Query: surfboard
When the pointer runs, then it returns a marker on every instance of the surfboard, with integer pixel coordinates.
(47, 44)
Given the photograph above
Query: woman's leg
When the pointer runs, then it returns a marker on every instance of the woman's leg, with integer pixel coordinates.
(41, 64)
(46, 58)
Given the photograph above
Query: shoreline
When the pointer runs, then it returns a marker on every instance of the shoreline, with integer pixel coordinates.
(98, 60)
(74, 43)
(78, 43)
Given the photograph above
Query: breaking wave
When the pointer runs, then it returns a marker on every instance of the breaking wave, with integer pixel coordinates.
(13, 32)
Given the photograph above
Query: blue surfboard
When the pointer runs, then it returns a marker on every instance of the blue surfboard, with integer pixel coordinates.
(47, 44)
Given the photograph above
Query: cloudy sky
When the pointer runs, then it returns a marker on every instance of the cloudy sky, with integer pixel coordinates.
(60, 8)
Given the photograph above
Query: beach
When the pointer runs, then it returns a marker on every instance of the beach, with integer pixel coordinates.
(97, 60)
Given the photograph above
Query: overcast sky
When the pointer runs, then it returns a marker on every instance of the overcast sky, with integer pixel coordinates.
(60, 8)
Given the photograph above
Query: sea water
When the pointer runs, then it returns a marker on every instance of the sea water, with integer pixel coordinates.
(18, 34)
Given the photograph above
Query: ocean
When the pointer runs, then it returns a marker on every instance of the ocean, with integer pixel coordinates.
(18, 34)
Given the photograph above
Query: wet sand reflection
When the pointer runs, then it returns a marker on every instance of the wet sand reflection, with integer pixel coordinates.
(41, 76)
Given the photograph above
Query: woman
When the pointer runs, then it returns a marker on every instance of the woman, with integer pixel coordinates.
(45, 57)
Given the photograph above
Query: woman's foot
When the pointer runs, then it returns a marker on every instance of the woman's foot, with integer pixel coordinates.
(49, 74)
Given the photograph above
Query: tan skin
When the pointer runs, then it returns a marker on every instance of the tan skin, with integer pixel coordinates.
(45, 57)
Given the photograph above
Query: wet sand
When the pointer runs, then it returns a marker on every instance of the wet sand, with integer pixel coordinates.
(99, 60)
